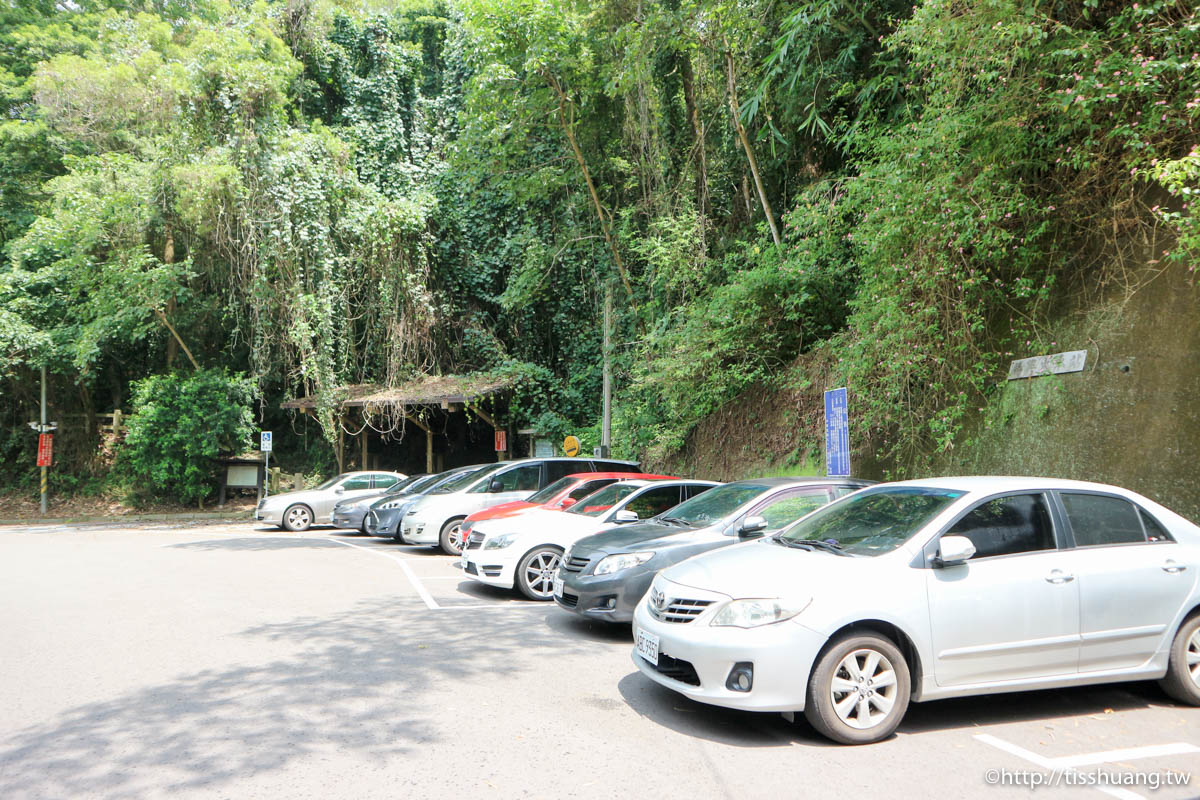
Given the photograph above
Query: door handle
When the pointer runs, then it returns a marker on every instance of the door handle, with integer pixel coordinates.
(1058, 576)
(1173, 568)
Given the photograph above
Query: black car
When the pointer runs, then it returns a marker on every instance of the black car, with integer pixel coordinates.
(604, 576)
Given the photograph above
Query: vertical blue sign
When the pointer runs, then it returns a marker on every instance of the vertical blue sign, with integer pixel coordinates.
(837, 434)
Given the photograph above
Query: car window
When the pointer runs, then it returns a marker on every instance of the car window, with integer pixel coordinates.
(782, 511)
(560, 469)
(1154, 531)
(1007, 525)
(615, 466)
(694, 489)
(329, 484)
(464, 480)
(383, 481)
(653, 502)
(419, 485)
(588, 487)
(357, 482)
(1099, 520)
(873, 521)
(597, 503)
(524, 478)
(842, 491)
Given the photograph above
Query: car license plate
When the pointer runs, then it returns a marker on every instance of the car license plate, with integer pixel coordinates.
(462, 562)
(558, 586)
(647, 646)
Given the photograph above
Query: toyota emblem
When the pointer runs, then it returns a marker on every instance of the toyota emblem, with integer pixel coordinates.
(658, 600)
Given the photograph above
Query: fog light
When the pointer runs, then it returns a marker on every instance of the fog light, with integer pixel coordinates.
(741, 677)
(610, 603)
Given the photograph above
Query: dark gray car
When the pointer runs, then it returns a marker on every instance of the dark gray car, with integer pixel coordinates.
(385, 513)
(352, 513)
(605, 575)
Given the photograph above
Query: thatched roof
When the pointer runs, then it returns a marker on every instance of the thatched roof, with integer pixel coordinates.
(428, 390)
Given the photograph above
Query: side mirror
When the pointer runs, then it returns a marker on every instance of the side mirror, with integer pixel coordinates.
(752, 526)
(568, 502)
(496, 485)
(625, 515)
(954, 550)
(340, 490)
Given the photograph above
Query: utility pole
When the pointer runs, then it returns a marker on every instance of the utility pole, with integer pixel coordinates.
(606, 425)
(41, 431)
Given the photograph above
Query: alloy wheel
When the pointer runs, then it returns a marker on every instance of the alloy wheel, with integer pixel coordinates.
(1193, 657)
(863, 689)
(298, 518)
(539, 573)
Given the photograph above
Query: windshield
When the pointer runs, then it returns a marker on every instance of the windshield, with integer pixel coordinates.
(414, 484)
(466, 479)
(329, 484)
(597, 503)
(874, 521)
(547, 494)
(715, 504)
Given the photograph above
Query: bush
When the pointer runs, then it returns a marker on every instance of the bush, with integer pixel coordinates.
(181, 422)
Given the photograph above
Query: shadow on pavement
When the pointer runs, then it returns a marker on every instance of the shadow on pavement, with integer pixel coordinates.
(569, 624)
(256, 543)
(362, 680)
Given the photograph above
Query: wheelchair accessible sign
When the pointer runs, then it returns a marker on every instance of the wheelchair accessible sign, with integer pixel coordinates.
(837, 434)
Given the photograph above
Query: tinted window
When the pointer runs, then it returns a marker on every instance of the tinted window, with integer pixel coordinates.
(653, 502)
(597, 503)
(783, 511)
(842, 491)
(691, 491)
(615, 466)
(1007, 525)
(383, 481)
(873, 521)
(560, 469)
(358, 482)
(522, 479)
(1154, 531)
(1098, 520)
(547, 494)
(587, 487)
(464, 480)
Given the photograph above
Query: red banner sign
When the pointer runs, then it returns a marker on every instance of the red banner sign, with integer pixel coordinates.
(45, 449)
(501, 441)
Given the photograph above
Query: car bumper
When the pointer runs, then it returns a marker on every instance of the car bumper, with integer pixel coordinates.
(493, 567)
(782, 654)
(348, 519)
(609, 597)
(384, 523)
(419, 532)
(269, 515)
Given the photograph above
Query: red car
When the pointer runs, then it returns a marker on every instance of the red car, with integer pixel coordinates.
(563, 493)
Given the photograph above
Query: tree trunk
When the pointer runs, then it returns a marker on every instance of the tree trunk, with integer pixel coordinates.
(745, 139)
(169, 258)
(693, 114)
(566, 120)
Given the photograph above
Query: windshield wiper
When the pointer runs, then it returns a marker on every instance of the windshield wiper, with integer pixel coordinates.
(792, 543)
(676, 521)
(828, 546)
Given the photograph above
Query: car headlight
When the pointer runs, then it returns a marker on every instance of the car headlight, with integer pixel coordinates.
(391, 504)
(499, 542)
(751, 613)
(622, 561)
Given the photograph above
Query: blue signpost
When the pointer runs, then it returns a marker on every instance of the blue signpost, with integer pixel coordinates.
(837, 434)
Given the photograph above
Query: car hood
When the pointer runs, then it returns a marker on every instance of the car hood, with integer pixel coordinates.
(763, 568)
(647, 535)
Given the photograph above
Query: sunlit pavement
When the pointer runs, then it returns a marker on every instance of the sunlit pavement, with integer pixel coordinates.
(234, 661)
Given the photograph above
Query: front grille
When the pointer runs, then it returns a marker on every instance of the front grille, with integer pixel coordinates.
(677, 669)
(471, 568)
(475, 541)
(575, 563)
(569, 600)
(680, 609)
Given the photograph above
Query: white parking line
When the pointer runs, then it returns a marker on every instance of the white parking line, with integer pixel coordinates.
(1070, 763)
(426, 597)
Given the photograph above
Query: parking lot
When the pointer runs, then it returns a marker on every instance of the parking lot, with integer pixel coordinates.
(237, 661)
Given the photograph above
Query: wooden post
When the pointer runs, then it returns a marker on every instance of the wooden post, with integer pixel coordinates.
(486, 417)
(341, 446)
(428, 439)
(363, 436)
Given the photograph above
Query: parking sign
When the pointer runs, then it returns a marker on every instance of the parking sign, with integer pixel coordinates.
(265, 445)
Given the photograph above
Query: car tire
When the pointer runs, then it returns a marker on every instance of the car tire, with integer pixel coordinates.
(1182, 681)
(848, 700)
(450, 539)
(298, 517)
(535, 573)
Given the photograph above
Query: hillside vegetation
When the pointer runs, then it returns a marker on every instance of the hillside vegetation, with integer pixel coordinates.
(780, 197)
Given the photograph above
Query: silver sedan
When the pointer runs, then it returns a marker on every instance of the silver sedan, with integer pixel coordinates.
(297, 511)
(930, 589)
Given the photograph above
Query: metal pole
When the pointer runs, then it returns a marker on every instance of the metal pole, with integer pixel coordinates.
(40, 433)
(267, 474)
(606, 425)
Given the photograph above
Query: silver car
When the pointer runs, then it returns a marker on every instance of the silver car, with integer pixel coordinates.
(929, 589)
(352, 513)
(297, 511)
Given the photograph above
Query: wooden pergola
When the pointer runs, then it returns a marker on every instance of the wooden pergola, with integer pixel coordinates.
(411, 401)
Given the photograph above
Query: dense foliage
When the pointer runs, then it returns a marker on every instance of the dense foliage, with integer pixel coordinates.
(320, 193)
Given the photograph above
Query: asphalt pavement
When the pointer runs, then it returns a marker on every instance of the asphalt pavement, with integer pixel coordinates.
(231, 661)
